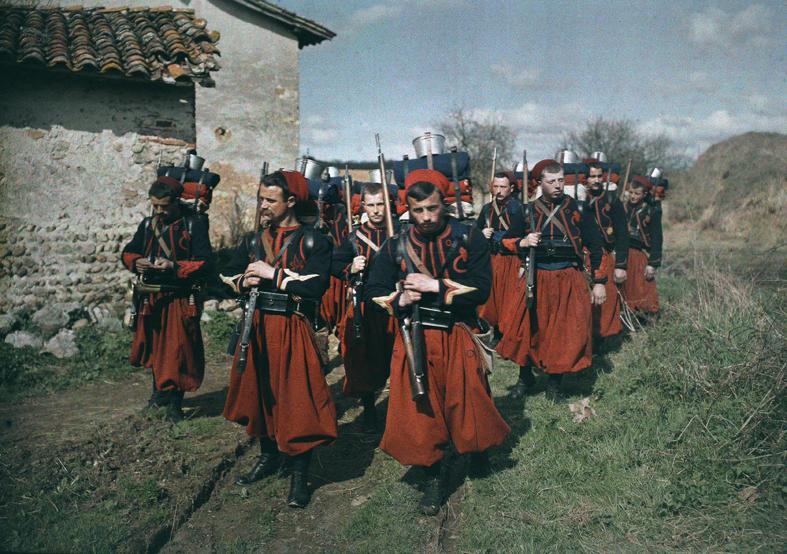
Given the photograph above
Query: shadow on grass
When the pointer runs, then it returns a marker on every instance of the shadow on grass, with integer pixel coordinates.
(353, 452)
(210, 404)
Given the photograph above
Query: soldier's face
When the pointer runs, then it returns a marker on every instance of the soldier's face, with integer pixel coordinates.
(374, 206)
(595, 178)
(501, 188)
(428, 215)
(636, 195)
(273, 205)
(552, 185)
(165, 208)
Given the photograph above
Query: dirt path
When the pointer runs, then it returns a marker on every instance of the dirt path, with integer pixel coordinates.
(97, 434)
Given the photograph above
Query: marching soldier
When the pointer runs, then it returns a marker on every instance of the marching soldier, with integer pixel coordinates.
(334, 300)
(561, 323)
(441, 269)
(171, 254)
(645, 242)
(493, 221)
(608, 214)
(366, 338)
(280, 394)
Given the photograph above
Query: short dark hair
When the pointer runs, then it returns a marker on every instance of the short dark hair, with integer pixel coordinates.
(422, 190)
(162, 190)
(594, 165)
(550, 168)
(370, 189)
(636, 185)
(277, 179)
(503, 174)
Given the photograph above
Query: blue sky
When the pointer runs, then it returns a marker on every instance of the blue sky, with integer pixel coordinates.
(697, 71)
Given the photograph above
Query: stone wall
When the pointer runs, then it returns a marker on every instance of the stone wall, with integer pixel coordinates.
(76, 158)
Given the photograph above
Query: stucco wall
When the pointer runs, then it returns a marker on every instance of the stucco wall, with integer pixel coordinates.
(252, 114)
(76, 158)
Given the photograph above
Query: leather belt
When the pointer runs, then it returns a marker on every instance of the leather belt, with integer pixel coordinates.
(282, 303)
(432, 318)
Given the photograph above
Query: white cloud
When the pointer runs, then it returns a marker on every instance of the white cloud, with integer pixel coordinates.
(317, 131)
(539, 127)
(717, 30)
(693, 135)
(520, 78)
(696, 82)
(373, 14)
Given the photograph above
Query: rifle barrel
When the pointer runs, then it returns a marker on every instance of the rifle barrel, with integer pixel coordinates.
(389, 227)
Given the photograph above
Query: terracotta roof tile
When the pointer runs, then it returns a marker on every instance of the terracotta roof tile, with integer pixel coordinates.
(157, 44)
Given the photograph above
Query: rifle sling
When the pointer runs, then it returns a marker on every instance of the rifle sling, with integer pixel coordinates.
(543, 209)
(161, 242)
(366, 240)
(416, 260)
(502, 221)
(269, 257)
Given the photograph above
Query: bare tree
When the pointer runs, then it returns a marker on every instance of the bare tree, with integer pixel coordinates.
(620, 141)
(479, 137)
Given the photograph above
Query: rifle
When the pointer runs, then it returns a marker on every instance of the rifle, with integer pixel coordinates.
(494, 170)
(531, 255)
(410, 327)
(389, 228)
(460, 214)
(413, 338)
(626, 179)
(356, 283)
(429, 158)
(251, 302)
(525, 192)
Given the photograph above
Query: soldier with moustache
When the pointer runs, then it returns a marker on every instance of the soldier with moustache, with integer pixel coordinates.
(643, 220)
(367, 359)
(280, 395)
(561, 321)
(493, 221)
(171, 254)
(444, 267)
(608, 214)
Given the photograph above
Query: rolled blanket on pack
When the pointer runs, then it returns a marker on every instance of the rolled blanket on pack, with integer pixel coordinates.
(442, 163)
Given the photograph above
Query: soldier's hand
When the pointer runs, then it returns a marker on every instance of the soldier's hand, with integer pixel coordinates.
(598, 294)
(487, 232)
(163, 263)
(421, 283)
(258, 269)
(359, 264)
(620, 275)
(530, 241)
(408, 297)
(650, 273)
(141, 264)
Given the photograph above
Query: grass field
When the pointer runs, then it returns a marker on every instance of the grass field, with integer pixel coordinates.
(686, 452)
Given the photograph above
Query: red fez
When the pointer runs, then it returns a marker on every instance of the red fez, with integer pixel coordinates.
(428, 176)
(297, 185)
(644, 181)
(172, 183)
(538, 169)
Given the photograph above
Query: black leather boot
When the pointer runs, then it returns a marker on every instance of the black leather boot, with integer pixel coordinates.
(299, 481)
(158, 398)
(479, 465)
(553, 389)
(267, 464)
(370, 423)
(525, 383)
(175, 406)
(433, 491)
